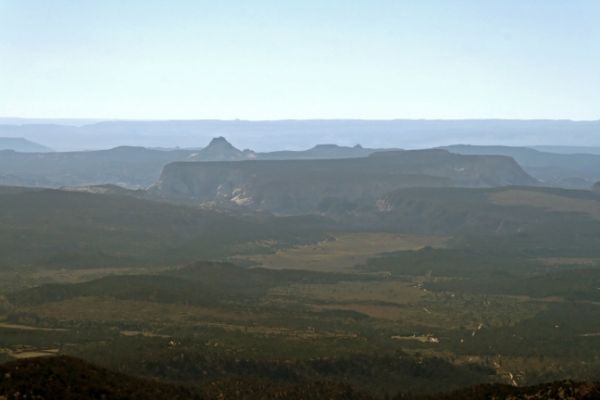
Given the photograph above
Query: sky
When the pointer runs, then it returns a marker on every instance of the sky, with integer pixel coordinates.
(308, 59)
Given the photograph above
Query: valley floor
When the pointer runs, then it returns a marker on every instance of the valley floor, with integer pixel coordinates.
(489, 287)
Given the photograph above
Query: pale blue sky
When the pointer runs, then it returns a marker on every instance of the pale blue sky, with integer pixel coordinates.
(300, 59)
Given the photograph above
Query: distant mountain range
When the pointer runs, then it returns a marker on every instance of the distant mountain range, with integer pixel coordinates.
(219, 149)
(568, 149)
(321, 151)
(22, 145)
(134, 167)
(138, 168)
(299, 134)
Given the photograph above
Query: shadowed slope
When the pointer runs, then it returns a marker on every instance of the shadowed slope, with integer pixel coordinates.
(67, 378)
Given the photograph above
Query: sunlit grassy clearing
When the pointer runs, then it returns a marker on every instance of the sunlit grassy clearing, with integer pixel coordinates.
(344, 251)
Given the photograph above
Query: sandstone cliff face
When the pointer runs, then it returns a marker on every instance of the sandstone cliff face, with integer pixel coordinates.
(301, 186)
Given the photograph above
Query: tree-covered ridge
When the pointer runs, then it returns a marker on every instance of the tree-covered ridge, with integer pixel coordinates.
(56, 228)
(68, 378)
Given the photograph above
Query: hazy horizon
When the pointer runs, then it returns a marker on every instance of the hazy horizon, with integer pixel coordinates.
(310, 60)
(12, 120)
(272, 135)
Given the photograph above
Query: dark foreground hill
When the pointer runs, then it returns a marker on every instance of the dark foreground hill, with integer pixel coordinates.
(551, 391)
(301, 186)
(67, 378)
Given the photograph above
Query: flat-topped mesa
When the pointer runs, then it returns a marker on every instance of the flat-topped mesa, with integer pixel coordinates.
(300, 186)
